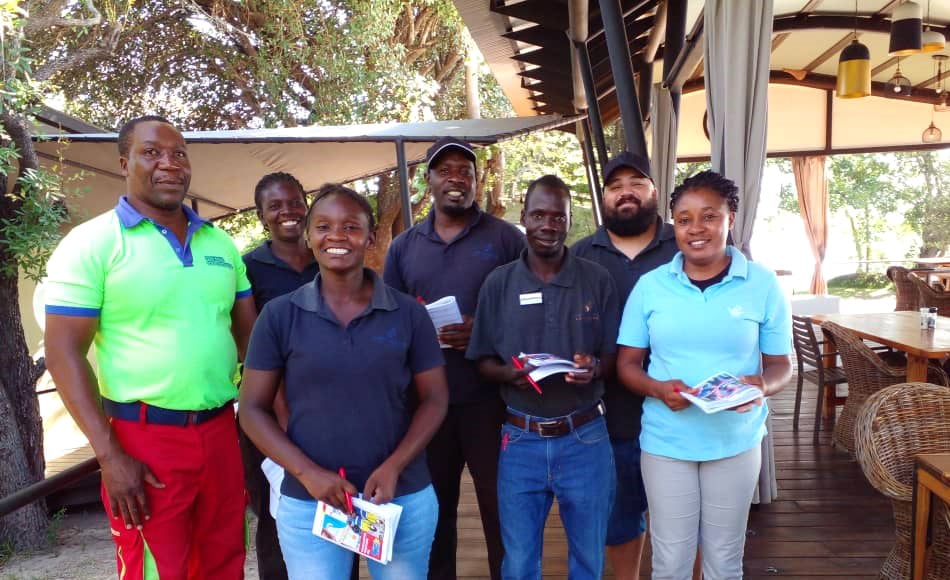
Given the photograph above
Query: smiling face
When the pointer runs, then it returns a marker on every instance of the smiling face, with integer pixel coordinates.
(451, 180)
(701, 221)
(157, 170)
(630, 206)
(339, 234)
(283, 210)
(546, 218)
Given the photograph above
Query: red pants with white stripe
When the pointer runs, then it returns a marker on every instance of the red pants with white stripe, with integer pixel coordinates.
(196, 529)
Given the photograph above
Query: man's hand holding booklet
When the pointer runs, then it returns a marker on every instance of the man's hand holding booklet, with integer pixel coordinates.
(722, 391)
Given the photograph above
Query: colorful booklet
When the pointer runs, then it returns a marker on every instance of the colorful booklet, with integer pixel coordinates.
(369, 531)
(546, 365)
(722, 391)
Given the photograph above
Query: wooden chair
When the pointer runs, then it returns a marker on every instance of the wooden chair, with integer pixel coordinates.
(907, 297)
(896, 424)
(867, 373)
(810, 358)
(928, 296)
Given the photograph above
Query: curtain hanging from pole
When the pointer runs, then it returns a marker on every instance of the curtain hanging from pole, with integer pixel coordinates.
(664, 148)
(812, 189)
(737, 49)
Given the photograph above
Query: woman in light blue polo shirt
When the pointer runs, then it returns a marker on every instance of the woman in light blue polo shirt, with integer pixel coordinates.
(710, 310)
(365, 386)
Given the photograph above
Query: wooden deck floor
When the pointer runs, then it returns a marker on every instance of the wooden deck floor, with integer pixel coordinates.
(827, 521)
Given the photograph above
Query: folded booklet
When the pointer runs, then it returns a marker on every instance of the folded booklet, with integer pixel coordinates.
(722, 391)
(546, 365)
(443, 312)
(369, 531)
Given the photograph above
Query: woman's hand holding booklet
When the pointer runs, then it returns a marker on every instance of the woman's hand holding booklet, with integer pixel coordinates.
(723, 391)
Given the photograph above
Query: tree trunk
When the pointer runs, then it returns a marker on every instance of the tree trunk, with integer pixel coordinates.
(473, 106)
(388, 207)
(496, 168)
(21, 427)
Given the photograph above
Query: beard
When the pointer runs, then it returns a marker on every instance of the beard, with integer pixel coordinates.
(634, 225)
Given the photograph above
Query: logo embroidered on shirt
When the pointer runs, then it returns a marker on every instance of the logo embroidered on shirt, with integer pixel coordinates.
(390, 338)
(218, 261)
(486, 253)
(736, 311)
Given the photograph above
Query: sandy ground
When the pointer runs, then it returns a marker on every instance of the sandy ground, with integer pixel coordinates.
(83, 551)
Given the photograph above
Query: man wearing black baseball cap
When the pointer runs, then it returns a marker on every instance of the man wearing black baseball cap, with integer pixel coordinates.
(632, 241)
(450, 253)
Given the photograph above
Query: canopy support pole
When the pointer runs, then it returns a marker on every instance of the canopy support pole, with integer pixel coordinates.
(593, 107)
(620, 66)
(404, 183)
(593, 176)
(673, 46)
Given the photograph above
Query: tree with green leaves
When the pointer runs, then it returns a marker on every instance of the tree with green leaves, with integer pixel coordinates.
(929, 199)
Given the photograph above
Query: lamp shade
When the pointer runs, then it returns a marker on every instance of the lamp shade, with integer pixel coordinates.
(854, 72)
(906, 29)
(932, 41)
(932, 134)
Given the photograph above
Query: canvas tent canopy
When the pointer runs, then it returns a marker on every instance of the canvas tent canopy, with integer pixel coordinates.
(227, 164)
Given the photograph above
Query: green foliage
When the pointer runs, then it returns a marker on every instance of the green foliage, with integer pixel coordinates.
(31, 235)
(860, 285)
(55, 523)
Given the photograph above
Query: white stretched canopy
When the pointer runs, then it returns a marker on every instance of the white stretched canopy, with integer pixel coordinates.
(227, 164)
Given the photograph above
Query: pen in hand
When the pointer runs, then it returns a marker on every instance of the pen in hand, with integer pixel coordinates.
(518, 365)
(349, 498)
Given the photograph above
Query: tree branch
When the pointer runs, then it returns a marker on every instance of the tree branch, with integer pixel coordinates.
(37, 23)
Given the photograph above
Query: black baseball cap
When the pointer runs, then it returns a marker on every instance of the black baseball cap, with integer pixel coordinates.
(446, 144)
(638, 163)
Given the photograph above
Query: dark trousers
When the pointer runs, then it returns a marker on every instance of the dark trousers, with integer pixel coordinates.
(471, 433)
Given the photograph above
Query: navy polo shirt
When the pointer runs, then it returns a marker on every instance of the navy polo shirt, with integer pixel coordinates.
(579, 313)
(624, 407)
(348, 388)
(421, 264)
(272, 277)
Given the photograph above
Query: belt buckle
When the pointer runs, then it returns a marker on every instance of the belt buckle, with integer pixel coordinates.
(191, 418)
(554, 425)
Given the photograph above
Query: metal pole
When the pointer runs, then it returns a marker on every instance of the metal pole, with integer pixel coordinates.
(47, 486)
(404, 183)
(593, 176)
(619, 51)
(593, 108)
(645, 88)
(675, 40)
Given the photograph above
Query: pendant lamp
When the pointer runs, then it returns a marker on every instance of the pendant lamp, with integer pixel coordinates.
(944, 104)
(906, 23)
(931, 40)
(854, 71)
(898, 85)
(932, 134)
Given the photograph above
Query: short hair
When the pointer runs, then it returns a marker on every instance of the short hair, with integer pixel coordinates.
(125, 133)
(708, 179)
(330, 189)
(551, 182)
(274, 178)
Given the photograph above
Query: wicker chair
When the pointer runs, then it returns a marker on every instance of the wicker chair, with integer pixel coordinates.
(896, 424)
(927, 295)
(867, 373)
(810, 358)
(907, 297)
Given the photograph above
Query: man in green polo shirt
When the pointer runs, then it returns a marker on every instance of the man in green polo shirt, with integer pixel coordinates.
(164, 297)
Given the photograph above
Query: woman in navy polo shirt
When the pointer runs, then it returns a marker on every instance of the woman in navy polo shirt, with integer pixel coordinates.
(347, 348)
(710, 310)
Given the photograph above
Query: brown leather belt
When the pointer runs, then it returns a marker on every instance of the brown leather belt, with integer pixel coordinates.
(561, 425)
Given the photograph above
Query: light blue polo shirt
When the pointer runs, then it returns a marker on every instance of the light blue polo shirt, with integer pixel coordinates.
(694, 334)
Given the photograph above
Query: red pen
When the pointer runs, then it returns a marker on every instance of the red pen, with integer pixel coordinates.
(421, 300)
(517, 362)
(349, 498)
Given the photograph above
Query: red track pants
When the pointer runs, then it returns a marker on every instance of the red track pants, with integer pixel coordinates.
(196, 529)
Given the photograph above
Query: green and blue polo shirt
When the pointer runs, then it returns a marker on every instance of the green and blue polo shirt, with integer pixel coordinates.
(164, 309)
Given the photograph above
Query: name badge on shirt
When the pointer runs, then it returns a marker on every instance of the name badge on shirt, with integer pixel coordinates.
(530, 298)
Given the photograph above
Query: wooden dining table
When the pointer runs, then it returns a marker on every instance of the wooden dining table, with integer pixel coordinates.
(901, 331)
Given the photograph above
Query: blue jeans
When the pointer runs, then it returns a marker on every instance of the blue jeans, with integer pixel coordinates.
(311, 558)
(578, 470)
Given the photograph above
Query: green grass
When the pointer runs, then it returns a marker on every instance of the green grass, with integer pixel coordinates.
(861, 285)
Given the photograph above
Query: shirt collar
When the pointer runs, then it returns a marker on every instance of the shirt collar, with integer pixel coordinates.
(664, 232)
(427, 226)
(264, 253)
(130, 217)
(309, 298)
(738, 268)
(564, 278)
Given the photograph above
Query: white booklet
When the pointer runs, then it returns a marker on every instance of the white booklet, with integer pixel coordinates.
(722, 391)
(547, 364)
(443, 312)
(275, 477)
(369, 531)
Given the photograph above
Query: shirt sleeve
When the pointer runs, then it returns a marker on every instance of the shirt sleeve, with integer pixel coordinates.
(634, 330)
(424, 350)
(775, 333)
(75, 277)
(242, 283)
(265, 349)
(392, 276)
(611, 317)
(482, 341)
